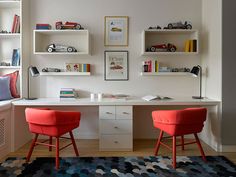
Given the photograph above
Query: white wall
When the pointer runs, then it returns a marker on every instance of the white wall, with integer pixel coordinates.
(90, 14)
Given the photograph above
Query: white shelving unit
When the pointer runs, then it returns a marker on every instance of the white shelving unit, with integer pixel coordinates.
(75, 38)
(178, 37)
(10, 41)
(166, 74)
(65, 73)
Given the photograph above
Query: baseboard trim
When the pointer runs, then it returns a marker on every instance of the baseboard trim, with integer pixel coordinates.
(228, 148)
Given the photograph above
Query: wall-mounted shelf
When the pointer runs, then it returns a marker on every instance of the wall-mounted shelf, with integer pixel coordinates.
(9, 4)
(75, 38)
(10, 35)
(178, 37)
(65, 73)
(10, 67)
(166, 74)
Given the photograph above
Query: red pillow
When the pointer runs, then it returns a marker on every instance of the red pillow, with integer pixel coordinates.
(13, 80)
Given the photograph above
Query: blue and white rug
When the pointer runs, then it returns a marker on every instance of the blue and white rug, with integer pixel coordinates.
(151, 166)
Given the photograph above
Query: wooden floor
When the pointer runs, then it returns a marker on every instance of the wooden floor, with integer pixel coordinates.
(89, 148)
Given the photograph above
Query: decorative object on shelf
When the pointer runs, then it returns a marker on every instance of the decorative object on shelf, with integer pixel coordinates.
(150, 66)
(190, 45)
(5, 32)
(195, 71)
(116, 65)
(162, 48)
(77, 67)
(16, 24)
(33, 71)
(154, 27)
(43, 26)
(164, 69)
(60, 48)
(67, 94)
(51, 70)
(179, 25)
(68, 25)
(3, 63)
(116, 31)
(15, 57)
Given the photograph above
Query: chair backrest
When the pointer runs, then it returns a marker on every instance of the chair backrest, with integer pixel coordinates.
(184, 116)
(51, 117)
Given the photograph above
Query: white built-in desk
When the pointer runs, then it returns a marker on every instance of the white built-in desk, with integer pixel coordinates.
(115, 121)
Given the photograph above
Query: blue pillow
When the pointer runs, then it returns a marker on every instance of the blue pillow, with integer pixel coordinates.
(5, 93)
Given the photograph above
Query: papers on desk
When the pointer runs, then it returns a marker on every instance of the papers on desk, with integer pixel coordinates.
(155, 97)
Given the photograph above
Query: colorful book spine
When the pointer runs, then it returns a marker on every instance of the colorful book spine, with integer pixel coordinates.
(16, 24)
(190, 46)
(43, 26)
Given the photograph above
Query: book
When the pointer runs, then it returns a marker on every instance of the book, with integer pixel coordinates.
(194, 45)
(187, 46)
(191, 46)
(15, 57)
(155, 97)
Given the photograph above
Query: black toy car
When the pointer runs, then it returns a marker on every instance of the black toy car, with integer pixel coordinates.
(60, 48)
(154, 27)
(179, 25)
(51, 70)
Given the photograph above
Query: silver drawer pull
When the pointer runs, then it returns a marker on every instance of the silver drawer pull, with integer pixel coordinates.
(125, 113)
(116, 127)
(116, 142)
(108, 113)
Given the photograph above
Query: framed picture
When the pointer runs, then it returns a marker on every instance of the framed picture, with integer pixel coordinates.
(116, 31)
(116, 65)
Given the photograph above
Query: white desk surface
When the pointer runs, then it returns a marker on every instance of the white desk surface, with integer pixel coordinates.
(112, 101)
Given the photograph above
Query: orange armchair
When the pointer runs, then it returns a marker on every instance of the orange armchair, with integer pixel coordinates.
(53, 124)
(179, 123)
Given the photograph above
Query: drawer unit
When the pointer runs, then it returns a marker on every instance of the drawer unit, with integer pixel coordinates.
(115, 128)
(116, 142)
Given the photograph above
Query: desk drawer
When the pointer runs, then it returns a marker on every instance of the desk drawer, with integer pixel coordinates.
(115, 126)
(107, 112)
(124, 112)
(116, 142)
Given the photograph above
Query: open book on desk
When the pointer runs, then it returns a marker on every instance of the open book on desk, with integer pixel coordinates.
(155, 97)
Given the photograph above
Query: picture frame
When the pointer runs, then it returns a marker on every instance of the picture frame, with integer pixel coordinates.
(116, 66)
(116, 30)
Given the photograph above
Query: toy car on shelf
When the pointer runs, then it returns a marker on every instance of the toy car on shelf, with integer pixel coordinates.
(154, 27)
(51, 70)
(179, 25)
(162, 48)
(68, 25)
(60, 48)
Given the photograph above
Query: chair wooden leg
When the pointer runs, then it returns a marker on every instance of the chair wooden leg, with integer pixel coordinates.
(50, 142)
(57, 153)
(174, 152)
(74, 144)
(200, 147)
(182, 142)
(158, 143)
(32, 147)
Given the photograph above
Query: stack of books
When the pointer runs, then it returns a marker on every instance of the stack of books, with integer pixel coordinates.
(41, 26)
(150, 66)
(67, 94)
(191, 45)
(16, 24)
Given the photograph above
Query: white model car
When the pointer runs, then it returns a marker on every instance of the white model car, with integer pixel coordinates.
(60, 48)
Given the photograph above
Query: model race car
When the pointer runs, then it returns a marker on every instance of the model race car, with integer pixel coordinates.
(51, 70)
(68, 25)
(60, 48)
(162, 48)
(179, 25)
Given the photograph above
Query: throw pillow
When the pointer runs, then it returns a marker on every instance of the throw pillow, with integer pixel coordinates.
(13, 81)
(5, 93)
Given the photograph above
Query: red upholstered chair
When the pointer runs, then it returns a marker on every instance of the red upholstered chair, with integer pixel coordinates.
(179, 123)
(53, 124)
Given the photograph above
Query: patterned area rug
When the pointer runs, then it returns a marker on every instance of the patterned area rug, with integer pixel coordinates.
(119, 167)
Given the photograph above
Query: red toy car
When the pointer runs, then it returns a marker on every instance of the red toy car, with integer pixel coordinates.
(162, 48)
(68, 25)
